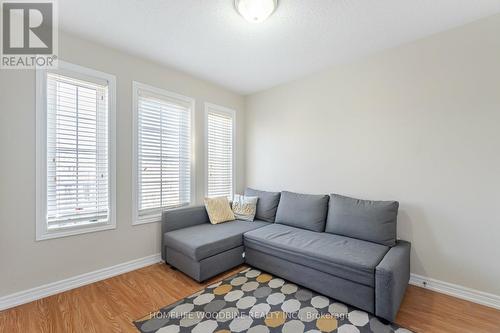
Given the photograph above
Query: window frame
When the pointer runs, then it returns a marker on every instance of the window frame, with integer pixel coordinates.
(215, 108)
(136, 87)
(82, 73)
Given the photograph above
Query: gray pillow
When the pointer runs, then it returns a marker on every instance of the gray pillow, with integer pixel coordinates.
(266, 205)
(306, 211)
(373, 221)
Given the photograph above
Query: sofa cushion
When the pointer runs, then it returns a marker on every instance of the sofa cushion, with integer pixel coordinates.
(205, 240)
(347, 258)
(373, 221)
(266, 205)
(306, 211)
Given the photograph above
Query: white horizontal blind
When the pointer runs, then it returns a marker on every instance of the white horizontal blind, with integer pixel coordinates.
(164, 153)
(77, 152)
(220, 154)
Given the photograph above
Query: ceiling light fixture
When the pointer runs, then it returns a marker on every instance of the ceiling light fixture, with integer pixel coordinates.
(255, 11)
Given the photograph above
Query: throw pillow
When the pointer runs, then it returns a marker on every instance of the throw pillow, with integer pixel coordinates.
(244, 207)
(218, 210)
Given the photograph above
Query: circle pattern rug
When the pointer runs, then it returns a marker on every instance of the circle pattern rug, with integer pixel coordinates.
(257, 302)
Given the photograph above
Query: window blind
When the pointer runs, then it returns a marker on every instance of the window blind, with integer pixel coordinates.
(220, 154)
(163, 154)
(77, 152)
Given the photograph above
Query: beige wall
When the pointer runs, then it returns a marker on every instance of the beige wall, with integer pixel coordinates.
(25, 263)
(420, 124)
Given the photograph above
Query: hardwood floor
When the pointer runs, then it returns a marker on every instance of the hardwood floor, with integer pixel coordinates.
(111, 306)
(427, 311)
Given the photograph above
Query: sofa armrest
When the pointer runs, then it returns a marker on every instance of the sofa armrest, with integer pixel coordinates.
(180, 218)
(391, 279)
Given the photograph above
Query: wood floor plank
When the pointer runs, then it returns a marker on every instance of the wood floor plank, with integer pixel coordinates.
(113, 304)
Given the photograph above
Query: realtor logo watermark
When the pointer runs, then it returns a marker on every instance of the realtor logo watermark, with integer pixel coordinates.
(29, 34)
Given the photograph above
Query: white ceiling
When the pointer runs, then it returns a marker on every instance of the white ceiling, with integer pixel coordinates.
(208, 39)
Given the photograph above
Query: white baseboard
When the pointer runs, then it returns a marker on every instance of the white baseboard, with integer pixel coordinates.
(457, 291)
(53, 288)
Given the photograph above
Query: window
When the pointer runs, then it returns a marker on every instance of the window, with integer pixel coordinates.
(75, 152)
(220, 151)
(162, 150)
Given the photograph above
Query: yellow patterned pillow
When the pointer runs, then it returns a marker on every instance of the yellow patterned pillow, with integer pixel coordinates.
(219, 210)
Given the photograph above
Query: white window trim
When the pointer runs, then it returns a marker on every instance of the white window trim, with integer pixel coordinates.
(136, 86)
(210, 107)
(42, 232)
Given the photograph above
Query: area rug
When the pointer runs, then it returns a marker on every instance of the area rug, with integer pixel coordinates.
(256, 302)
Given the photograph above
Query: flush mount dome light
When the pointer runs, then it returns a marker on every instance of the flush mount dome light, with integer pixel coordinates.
(255, 10)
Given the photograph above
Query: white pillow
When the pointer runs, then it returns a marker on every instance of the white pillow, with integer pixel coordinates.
(244, 208)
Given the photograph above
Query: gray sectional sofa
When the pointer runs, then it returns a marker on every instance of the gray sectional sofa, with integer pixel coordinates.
(341, 247)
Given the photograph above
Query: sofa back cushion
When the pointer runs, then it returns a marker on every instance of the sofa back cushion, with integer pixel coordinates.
(306, 211)
(373, 221)
(266, 205)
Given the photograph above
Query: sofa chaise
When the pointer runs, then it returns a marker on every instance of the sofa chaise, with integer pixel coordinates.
(341, 247)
